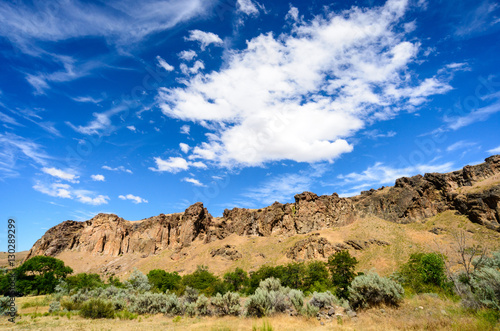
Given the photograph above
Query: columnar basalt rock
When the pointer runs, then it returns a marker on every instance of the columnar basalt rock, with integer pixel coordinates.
(410, 199)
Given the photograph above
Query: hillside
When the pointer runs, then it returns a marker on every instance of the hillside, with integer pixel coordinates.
(380, 227)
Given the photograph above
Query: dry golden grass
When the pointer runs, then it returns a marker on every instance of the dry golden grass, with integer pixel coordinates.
(420, 312)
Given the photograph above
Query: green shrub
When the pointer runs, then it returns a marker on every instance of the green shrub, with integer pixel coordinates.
(424, 272)
(172, 305)
(323, 299)
(97, 308)
(148, 303)
(227, 304)
(310, 310)
(202, 305)
(54, 307)
(236, 280)
(138, 281)
(202, 280)
(125, 315)
(83, 281)
(371, 290)
(342, 265)
(5, 306)
(190, 294)
(297, 299)
(190, 308)
(268, 299)
(163, 281)
(70, 304)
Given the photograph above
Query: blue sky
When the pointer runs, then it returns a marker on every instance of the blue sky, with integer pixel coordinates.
(145, 107)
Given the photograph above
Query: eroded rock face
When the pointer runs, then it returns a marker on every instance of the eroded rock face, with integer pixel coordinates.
(418, 197)
(228, 252)
(311, 248)
(111, 235)
(411, 199)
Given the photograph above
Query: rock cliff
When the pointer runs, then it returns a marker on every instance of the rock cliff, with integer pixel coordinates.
(409, 200)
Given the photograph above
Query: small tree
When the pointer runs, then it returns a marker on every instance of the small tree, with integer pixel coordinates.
(203, 280)
(41, 274)
(163, 281)
(236, 280)
(341, 265)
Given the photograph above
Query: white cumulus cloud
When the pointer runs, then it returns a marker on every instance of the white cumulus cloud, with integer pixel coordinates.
(162, 63)
(247, 7)
(300, 96)
(204, 38)
(175, 164)
(187, 55)
(133, 198)
(98, 178)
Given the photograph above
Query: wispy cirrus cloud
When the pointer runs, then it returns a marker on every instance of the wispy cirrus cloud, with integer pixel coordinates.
(67, 175)
(119, 168)
(301, 95)
(119, 22)
(101, 124)
(495, 150)
(14, 148)
(193, 181)
(381, 174)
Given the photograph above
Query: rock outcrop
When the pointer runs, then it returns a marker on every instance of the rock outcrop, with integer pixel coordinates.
(228, 252)
(411, 199)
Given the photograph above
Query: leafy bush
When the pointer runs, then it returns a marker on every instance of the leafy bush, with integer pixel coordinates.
(70, 304)
(424, 273)
(322, 300)
(310, 310)
(268, 299)
(83, 281)
(317, 277)
(371, 290)
(202, 305)
(163, 281)
(54, 307)
(190, 295)
(236, 280)
(5, 306)
(97, 308)
(203, 280)
(148, 303)
(481, 287)
(172, 305)
(138, 281)
(190, 308)
(125, 315)
(227, 304)
(297, 299)
(270, 284)
(342, 265)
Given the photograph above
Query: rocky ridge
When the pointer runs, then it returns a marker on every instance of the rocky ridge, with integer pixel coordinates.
(411, 199)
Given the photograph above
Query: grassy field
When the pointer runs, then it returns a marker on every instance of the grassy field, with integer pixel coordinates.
(419, 312)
